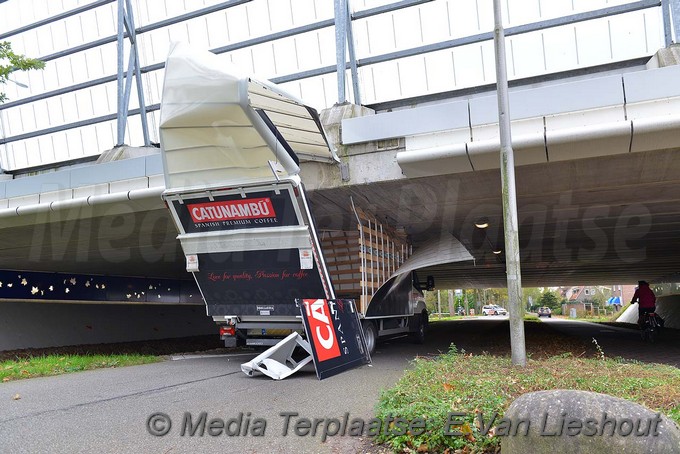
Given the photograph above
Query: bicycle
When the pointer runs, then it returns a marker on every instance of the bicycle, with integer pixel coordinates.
(650, 327)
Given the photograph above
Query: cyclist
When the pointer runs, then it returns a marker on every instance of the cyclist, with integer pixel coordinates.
(646, 300)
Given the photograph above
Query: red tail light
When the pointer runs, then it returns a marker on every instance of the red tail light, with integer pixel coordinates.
(227, 330)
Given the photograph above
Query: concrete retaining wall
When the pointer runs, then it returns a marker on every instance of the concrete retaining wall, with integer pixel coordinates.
(36, 325)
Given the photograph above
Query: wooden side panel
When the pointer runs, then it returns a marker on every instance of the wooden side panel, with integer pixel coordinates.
(360, 261)
(341, 251)
(382, 250)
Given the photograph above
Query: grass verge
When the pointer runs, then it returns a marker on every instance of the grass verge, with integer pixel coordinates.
(40, 366)
(447, 318)
(460, 382)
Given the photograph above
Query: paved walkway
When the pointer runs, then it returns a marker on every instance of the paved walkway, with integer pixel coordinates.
(623, 342)
(106, 410)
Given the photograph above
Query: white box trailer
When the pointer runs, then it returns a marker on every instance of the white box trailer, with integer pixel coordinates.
(231, 149)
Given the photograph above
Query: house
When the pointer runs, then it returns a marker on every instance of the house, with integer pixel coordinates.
(581, 297)
(580, 294)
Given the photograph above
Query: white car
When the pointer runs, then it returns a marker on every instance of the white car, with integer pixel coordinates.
(493, 309)
(501, 310)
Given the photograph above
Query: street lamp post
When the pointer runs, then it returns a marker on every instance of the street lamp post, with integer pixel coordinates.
(512, 262)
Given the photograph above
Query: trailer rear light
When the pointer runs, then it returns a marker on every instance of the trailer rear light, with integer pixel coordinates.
(227, 331)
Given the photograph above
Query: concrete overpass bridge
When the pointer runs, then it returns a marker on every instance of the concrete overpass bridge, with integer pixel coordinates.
(597, 177)
(597, 180)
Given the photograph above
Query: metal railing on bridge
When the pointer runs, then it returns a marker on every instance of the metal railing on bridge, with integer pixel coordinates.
(344, 31)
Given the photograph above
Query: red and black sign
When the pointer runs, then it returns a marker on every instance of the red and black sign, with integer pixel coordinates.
(334, 331)
(256, 282)
(231, 212)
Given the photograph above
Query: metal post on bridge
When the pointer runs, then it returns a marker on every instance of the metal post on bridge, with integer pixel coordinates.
(344, 41)
(352, 56)
(512, 261)
(670, 11)
(675, 20)
(340, 48)
(126, 26)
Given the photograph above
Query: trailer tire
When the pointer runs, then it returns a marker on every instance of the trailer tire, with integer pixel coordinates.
(421, 322)
(371, 335)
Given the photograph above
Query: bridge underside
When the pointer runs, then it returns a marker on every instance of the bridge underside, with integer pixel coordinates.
(601, 220)
(612, 219)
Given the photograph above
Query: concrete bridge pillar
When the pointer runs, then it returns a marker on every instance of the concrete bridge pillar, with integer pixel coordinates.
(332, 122)
(667, 56)
(319, 175)
(362, 163)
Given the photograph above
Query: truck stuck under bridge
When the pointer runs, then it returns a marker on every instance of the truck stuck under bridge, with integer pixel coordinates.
(231, 149)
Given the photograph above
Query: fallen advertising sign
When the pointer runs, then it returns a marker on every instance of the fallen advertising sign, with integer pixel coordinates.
(335, 335)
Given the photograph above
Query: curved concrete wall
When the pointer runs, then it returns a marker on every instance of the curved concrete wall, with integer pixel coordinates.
(668, 307)
(36, 325)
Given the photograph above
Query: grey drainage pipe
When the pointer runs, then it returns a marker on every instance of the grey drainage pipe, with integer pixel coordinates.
(661, 132)
(118, 197)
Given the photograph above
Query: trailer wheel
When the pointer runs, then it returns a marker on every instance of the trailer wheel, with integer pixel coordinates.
(371, 335)
(420, 321)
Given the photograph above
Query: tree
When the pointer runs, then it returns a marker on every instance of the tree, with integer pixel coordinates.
(10, 62)
(431, 301)
(531, 297)
(497, 296)
(550, 300)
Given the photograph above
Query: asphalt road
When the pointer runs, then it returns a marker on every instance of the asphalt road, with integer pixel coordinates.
(106, 411)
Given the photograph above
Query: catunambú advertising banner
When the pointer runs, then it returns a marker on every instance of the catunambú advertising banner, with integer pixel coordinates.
(334, 332)
(230, 212)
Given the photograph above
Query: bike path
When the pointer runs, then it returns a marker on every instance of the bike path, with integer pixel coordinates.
(623, 342)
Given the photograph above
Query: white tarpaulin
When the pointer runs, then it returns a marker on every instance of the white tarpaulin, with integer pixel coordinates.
(438, 251)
